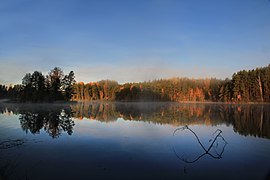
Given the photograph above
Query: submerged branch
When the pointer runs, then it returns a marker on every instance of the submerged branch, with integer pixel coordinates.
(206, 151)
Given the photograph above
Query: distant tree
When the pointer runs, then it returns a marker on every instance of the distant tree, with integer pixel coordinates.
(95, 93)
(3, 91)
(55, 86)
(37, 86)
(26, 81)
(14, 92)
(67, 85)
(266, 83)
(78, 91)
(37, 81)
(33, 87)
(27, 88)
(252, 85)
(55, 78)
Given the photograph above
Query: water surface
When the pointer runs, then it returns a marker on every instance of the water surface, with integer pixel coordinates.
(134, 141)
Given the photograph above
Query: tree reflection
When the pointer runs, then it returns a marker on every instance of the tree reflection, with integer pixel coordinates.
(53, 120)
(246, 119)
(217, 142)
(249, 119)
(104, 112)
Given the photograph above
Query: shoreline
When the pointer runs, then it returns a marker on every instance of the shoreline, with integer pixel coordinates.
(8, 101)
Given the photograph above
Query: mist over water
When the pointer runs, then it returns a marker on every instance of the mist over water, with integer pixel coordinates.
(104, 140)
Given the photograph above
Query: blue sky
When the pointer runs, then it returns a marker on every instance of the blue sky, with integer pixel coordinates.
(133, 40)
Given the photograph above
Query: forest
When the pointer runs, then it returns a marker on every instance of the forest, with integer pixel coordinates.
(244, 86)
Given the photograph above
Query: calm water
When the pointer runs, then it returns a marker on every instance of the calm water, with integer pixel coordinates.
(134, 141)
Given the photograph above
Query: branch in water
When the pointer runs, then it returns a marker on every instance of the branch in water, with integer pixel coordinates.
(206, 150)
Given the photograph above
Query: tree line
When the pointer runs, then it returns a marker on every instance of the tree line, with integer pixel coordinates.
(244, 86)
(36, 87)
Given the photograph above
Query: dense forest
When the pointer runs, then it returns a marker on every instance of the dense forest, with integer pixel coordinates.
(245, 86)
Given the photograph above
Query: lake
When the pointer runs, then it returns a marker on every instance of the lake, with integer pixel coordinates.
(134, 141)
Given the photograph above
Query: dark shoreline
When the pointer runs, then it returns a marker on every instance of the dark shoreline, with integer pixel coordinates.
(8, 101)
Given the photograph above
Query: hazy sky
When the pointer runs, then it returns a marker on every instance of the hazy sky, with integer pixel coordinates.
(133, 40)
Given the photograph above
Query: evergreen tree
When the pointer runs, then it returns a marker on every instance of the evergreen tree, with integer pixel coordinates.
(67, 85)
(55, 78)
